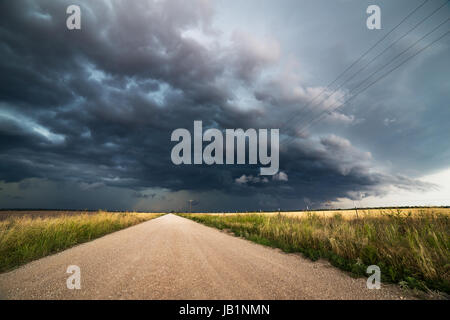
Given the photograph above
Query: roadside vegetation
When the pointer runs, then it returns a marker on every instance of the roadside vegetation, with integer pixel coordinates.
(23, 239)
(411, 249)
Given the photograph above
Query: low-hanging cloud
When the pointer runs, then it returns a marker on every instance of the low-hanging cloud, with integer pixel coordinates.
(105, 99)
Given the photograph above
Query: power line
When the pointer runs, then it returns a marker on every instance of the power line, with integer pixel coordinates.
(372, 83)
(358, 60)
(378, 79)
(404, 35)
(391, 61)
(381, 53)
(423, 37)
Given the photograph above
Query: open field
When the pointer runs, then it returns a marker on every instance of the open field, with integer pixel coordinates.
(352, 213)
(5, 214)
(411, 247)
(371, 212)
(176, 258)
(28, 236)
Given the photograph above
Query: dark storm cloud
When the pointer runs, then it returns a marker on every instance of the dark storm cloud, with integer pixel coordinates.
(97, 106)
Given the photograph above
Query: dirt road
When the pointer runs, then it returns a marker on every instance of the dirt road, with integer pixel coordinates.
(175, 258)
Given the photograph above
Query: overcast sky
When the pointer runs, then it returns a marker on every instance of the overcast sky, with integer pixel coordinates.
(86, 115)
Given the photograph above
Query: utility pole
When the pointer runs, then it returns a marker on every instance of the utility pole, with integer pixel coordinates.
(307, 207)
(356, 208)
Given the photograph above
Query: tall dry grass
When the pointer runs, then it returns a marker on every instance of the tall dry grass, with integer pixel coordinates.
(23, 239)
(413, 250)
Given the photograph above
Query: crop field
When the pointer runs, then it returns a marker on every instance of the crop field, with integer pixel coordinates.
(26, 236)
(5, 214)
(352, 213)
(411, 246)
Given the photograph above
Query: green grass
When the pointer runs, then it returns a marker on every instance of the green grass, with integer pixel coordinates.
(23, 239)
(410, 250)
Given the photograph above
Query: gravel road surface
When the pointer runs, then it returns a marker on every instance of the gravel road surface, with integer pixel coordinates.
(174, 258)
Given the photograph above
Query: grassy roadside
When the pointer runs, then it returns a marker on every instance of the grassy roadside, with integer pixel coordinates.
(413, 251)
(23, 239)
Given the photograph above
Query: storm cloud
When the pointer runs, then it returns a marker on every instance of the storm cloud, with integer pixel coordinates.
(92, 110)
